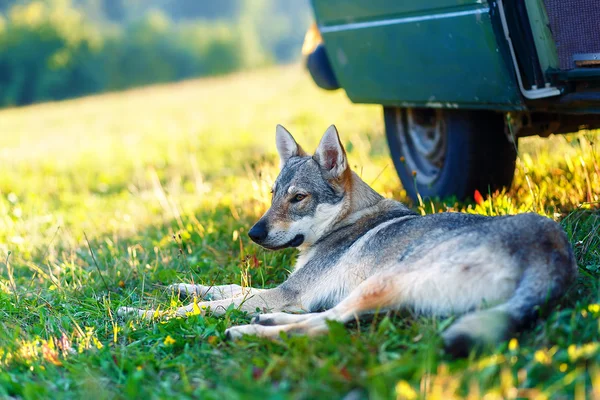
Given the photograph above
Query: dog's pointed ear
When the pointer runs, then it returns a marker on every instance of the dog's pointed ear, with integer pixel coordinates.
(286, 145)
(330, 154)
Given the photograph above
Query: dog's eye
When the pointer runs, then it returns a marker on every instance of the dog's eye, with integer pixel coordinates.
(299, 197)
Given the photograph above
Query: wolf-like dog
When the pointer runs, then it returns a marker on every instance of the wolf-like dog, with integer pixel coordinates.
(361, 254)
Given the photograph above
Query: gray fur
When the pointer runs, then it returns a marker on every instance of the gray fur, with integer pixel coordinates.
(299, 172)
(361, 253)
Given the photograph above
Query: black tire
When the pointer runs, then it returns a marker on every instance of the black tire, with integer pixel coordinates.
(444, 153)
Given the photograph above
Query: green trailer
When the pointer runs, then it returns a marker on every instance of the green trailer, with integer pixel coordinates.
(461, 80)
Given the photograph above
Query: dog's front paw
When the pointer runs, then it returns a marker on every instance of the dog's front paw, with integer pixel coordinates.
(236, 332)
(127, 311)
(184, 290)
(135, 312)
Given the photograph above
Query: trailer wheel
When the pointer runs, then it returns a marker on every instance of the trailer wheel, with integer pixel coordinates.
(443, 153)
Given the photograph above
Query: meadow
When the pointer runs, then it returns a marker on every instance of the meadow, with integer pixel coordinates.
(106, 200)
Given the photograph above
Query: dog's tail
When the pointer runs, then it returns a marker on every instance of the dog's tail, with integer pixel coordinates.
(540, 285)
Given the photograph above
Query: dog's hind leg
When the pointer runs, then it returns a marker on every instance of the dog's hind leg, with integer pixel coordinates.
(541, 284)
(280, 318)
(476, 330)
(216, 292)
(378, 293)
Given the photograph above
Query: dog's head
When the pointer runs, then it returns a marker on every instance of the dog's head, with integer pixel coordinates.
(308, 195)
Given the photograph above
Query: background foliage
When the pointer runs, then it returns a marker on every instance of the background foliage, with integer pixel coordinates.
(56, 49)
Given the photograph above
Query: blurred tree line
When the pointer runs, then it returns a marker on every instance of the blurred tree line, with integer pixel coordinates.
(56, 49)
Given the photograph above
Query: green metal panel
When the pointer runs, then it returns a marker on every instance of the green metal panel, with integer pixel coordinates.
(441, 58)
(344, 11)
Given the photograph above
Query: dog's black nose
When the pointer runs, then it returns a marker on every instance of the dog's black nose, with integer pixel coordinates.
(258, 232)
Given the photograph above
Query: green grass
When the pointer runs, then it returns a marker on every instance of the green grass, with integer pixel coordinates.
(165, 182)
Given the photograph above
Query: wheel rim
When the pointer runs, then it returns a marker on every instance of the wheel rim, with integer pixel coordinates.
(422, 135)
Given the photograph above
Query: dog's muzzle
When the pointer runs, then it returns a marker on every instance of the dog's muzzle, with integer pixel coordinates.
(295, 242)
(259, 232)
